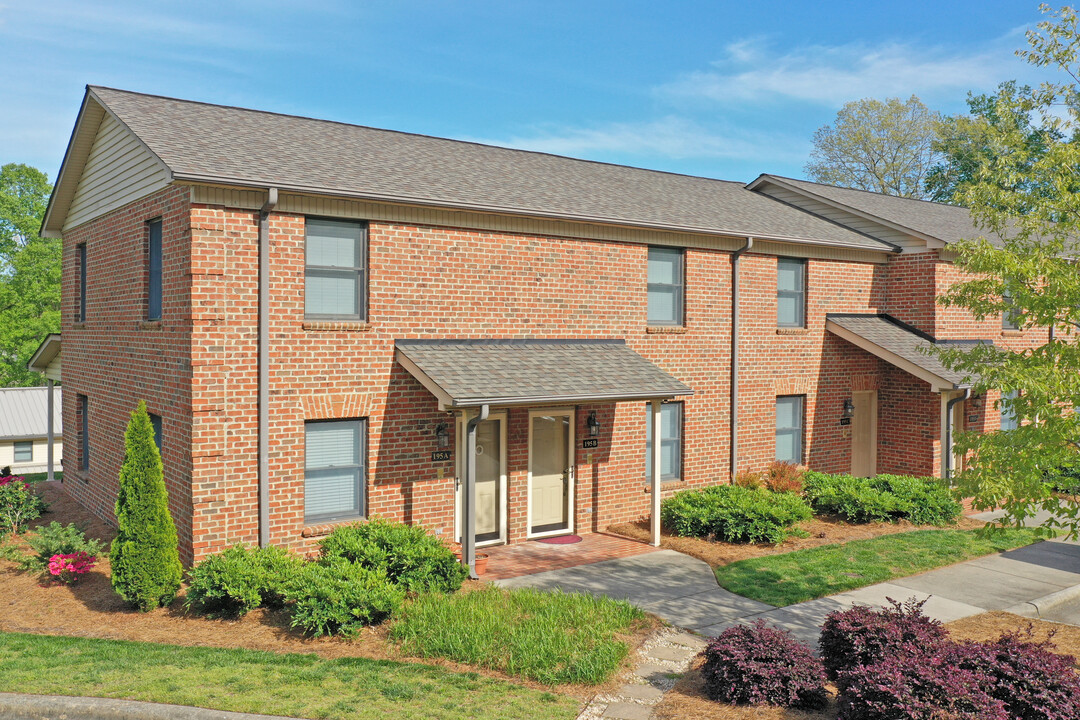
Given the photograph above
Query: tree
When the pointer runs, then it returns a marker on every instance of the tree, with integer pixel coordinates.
(881, 146)
(144, 556)
(29, 272)
(1031, 199)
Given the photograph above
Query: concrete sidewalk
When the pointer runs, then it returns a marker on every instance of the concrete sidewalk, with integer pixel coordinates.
(683, 590)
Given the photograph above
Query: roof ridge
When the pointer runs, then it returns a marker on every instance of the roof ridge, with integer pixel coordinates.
(868, 192)
(474, 143)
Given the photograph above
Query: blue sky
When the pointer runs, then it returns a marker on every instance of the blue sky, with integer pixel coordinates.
(725, 89)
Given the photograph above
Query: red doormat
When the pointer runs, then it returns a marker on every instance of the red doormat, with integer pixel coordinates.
(561, 540)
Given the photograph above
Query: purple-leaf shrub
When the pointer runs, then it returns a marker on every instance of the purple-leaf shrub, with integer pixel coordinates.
(757, 664)
(864, 635)
(1032, 682)
(916, 687)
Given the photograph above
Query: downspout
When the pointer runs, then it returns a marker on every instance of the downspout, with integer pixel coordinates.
(468, 494)
(948, 459)
(264, 365)
(735, 301)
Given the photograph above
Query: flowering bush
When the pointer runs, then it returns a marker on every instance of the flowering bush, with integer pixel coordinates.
(56, 539)
(757, 664)
(864, 635)
(18, 504)
(69, 566)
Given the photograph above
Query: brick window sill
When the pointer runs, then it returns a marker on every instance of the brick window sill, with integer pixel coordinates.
(666, 330)
(310, 531)
(150, 325)
(336, 326)
(1012, 333)
(667, 485)
(83, 475)
(78, 326)
(792, 331)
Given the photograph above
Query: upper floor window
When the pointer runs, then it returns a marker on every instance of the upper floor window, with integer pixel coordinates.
(80, 258)
(335, 278)
(153, 268)
(1008, 415)
(666, 289)
(790, 292)
(334, 470)
(790, 427)
(671, 432)
(1010, 318)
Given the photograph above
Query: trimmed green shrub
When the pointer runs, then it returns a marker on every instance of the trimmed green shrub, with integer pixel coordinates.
(408, 554)
(734, 514)
(57, 539)
(18, 504)
(145, 558)
(885, 498)
(238, 580)
(339, 598)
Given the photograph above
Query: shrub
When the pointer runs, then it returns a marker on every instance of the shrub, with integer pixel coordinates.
(885, 498)
(145, 558)
(734, 514)
(56, 539)
(238, 580)
(757, 664)
(340, 598)
(18, 504)
(863, 635)
(784, 477)
(69, 566)
(408, 554)
(750, 479)
(1032, 682)
(915, 687)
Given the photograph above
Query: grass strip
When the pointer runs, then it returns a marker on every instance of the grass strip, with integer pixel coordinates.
(815, 572)
(296, 685)
(549, 637)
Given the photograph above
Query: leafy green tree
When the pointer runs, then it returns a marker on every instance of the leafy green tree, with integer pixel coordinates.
(29, 272)
(144, 556)
(1031, 199)
(882, 146)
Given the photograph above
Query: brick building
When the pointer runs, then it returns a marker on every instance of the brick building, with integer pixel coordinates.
(329, 321)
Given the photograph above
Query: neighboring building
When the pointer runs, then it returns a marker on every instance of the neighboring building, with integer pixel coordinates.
(408, 282)
(24, 429)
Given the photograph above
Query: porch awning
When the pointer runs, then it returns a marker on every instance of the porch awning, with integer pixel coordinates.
(47, 358)
(901, 345)
(470, 373)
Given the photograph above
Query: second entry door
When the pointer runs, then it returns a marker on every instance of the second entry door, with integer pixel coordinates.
(550, 472)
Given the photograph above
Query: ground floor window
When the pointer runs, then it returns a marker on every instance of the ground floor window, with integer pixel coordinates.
(83, 409)
(1008, 416)
(24, 451)
(334, 470)
(789, 428)
(671, 432)
(155, 422)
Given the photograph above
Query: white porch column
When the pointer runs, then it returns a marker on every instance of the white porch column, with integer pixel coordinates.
(51, 439)
(654, 515)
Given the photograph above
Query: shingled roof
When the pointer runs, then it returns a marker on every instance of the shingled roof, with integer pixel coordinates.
(947, 223)
(468, 373)
(217, 144)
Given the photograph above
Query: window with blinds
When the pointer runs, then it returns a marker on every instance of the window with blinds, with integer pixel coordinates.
(334, 470)
(789, 428)
(665, 286)
(790, 293)
(335, 276)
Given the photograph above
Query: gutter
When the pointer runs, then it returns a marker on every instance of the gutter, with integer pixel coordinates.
(948, 459)
(735, 298)
(264, 365)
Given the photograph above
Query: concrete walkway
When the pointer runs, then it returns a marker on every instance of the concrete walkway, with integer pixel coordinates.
(1040, 580)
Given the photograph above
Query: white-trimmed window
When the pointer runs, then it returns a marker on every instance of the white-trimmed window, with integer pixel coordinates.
(790, 426)
(790, 292)
(666, 286)
(671, 434)
(1010, 318)
(24, 451)
(334, 470)
(335, 275)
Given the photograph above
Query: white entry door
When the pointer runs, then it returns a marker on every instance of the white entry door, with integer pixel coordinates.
(551, 472)
(490, 478)
(864, 433)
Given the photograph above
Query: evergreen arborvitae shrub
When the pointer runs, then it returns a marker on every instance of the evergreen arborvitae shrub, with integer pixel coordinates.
(145, 558)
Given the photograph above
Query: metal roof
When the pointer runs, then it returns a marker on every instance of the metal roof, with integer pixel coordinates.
(900, 344)
(469, 373)
(198, 142)
(24, 412)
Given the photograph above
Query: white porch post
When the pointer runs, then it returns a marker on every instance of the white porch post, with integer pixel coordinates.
(654, 516)
(51, 438)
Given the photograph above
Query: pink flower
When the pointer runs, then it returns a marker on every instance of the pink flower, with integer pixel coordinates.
(67, 566)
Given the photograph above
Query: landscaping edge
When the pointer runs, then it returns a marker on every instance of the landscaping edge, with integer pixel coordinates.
(15, 706)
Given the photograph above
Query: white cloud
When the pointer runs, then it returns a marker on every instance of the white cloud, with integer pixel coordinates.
(669, 137)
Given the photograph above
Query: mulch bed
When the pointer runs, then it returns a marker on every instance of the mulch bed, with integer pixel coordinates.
(687, 700)
(821, 530)
(90, 608)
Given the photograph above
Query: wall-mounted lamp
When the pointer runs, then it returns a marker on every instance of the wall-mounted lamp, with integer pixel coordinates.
(849, 408)
(593, 424)
(442, 435)
(976, 401)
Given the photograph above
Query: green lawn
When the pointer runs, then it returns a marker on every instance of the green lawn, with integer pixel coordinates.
(263, 682)
(41, 477)
(807, 574)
